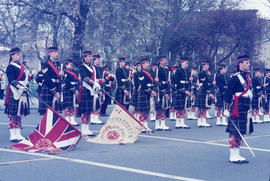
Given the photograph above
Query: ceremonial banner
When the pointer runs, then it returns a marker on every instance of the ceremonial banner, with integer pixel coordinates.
(53, 134)
(121, 128)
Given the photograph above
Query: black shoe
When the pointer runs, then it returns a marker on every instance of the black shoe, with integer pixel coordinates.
(14, 141)
(236, 162)
(245, 161)
(167, 129)
(186, 127)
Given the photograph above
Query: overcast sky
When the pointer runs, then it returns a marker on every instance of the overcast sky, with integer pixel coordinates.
(261, 5)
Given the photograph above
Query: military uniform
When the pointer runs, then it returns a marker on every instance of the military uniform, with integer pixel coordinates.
(97, 99)
(122, 80)
(153, 73)
(181, 99)
(108, 88)
(146, 86)
(239, 90)
(202, 99)
(136, 87)
(51, 85)
(85, 98)
(162, 103)
(222, 81)
(266, 99)
(17, 100)
(71, 86)
(173, 92)
(39, 81)
(257, 90)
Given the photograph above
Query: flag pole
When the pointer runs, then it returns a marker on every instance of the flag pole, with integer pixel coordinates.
(243, 138)
(43, 102)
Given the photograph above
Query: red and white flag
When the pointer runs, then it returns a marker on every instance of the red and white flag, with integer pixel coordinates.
(121, 128)
(53, 134)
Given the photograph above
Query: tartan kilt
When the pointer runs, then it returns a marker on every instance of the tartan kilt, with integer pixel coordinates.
(201, 99)
(143, 102)
(68, 96)
(13, 106)
(255, 101)
(47, 97)
(159, 103)
(86, 104)
(241, 122)
(220, 100)
(180, 100)
(134, 98)
(174, 93)
(266, 102)
(119, 95)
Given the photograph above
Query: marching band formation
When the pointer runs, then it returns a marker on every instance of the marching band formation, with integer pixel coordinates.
(153, 91)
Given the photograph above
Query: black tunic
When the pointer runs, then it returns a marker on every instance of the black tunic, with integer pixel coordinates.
(121, 79)
(13, 71)
(221, 84)
(163, 85)
(85, 97)
(204, 89)
(257, 89)
(71, 84)
(146, 86)
(51, 85)
(266, 90)
(182, 84)
(235, 86)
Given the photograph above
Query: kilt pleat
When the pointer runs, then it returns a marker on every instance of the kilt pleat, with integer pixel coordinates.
(143, 102)
(241, 122)
(68, 96)
(220, 100)
(201, 101)
(47, 97)
(180, 100)
(119, 95)
(86, 104)
(13, 106)
(255, 101)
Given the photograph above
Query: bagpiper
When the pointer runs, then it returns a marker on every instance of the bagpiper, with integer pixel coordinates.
(51, 89)
(183, 79)
(98, 97)
(205, 90)
(173, 92)
(210, 101)
(39, 81)
(222, 81)
(17, 100)
(145, 90)
(257, 90)
(152, 114)
(191, 111)
(238, 110)
(266, 100)
(86, 93)
(122, 92)
(70, 92)
(163, 98)
(109, 78)
(136, 87)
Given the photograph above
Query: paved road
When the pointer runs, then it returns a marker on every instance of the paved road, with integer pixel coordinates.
(194, 154)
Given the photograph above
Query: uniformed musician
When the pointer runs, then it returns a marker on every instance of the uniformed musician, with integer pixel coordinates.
(17, 100)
